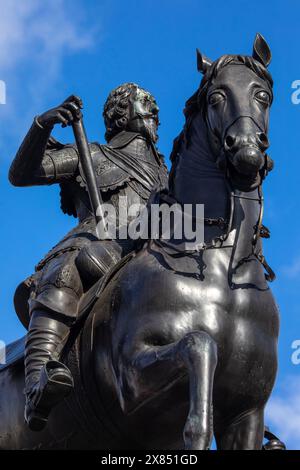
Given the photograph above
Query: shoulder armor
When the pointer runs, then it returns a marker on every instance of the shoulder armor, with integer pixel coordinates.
(109, 176)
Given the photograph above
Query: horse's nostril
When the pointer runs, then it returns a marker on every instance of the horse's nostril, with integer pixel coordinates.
(229, 141)
(263, 139)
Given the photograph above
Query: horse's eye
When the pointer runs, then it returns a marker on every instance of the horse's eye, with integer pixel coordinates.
(263, 97)
(215, 98)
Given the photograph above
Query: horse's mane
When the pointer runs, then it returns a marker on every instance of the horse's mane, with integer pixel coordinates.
(197, 101)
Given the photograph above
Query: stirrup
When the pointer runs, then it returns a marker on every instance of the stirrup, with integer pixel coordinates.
(55, 384)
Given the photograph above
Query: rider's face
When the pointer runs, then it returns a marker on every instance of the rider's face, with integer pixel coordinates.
(143, 115)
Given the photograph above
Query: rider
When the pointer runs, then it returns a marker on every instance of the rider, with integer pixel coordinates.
(129, 165)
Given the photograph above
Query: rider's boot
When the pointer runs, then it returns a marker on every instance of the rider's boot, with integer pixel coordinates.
(47, 381)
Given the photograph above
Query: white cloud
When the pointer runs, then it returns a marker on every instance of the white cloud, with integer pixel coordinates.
(39, 30)
(283, 413)
(35, 37)
(293, 270)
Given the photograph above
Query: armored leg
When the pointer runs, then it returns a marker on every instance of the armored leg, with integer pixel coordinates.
(53, 311)
(47, 380)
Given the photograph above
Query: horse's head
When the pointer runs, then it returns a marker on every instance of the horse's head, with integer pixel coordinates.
(235, 96)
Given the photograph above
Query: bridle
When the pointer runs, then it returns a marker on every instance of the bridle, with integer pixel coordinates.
(259, 230)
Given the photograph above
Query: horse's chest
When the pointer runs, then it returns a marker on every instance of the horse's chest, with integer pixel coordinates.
(244, 324)
(237, 314)
(240, 316)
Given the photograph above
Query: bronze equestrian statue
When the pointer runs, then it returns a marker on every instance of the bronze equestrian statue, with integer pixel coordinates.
(172, 345)
(129, 166)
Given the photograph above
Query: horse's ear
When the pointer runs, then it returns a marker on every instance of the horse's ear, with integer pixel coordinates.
(203, 63)
(261, 50)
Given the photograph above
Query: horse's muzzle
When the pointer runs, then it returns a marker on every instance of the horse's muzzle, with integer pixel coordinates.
(248, 160)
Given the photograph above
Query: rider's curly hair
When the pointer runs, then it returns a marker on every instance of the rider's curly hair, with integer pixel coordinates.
(116, 109)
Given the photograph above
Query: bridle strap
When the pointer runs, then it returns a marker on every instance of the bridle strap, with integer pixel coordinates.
(219, 221)
(259, 232)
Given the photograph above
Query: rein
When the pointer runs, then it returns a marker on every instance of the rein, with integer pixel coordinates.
(260, 231)
(197, 104)
(219, 222)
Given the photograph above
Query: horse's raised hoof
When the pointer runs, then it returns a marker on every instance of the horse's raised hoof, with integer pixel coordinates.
(56, 382)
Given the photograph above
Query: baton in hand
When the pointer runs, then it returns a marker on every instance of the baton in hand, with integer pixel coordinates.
(90, 177)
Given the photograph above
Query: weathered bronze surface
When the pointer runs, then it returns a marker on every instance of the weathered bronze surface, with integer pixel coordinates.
(169, 346)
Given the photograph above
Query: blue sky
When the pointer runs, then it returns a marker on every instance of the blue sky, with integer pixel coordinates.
(51, 49)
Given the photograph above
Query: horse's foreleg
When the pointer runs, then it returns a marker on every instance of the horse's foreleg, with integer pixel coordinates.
(195, 354)
(199, 353)
(244, 433)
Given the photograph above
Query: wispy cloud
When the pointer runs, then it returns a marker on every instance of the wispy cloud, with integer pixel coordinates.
(283, 412)
(292, 270)
(35, 37)
(35, 28)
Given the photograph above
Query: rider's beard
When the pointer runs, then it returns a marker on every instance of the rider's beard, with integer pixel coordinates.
(150, 125)
(146, 126)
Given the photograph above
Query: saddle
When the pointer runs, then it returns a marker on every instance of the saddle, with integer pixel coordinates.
(24, 289)
(15, 350)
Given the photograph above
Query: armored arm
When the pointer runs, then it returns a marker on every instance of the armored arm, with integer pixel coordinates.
(35, 165)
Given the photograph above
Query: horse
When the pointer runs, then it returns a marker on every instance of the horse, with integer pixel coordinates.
(179, 345)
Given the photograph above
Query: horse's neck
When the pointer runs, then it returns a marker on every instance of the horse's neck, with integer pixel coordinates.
(198, 180)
